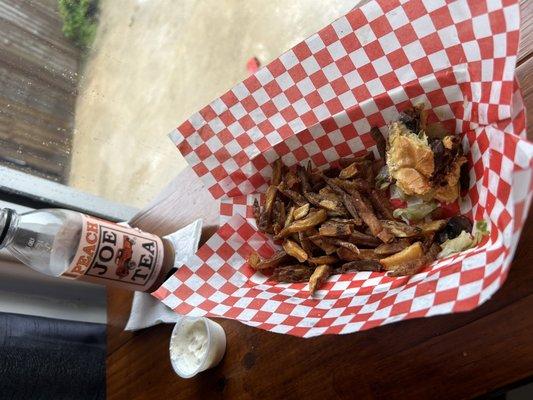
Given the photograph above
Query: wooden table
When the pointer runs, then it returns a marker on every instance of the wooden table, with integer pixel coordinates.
(445, 357)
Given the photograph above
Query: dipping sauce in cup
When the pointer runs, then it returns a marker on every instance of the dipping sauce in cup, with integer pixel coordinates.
(196, 344)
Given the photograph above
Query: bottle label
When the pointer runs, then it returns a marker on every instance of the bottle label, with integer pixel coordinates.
(111, 252)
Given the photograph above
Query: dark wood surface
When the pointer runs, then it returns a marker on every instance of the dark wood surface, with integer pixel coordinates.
(457, 356)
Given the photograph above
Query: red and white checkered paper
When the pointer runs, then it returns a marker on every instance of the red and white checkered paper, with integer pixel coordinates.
(318, 101)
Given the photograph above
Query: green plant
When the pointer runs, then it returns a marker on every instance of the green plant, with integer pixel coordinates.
(79, 20)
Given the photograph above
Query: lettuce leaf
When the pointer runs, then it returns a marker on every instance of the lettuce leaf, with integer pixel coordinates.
(480, 231)
(462, 242)
(415, 212)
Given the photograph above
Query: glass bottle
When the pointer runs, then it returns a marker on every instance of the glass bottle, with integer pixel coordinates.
(73, 245)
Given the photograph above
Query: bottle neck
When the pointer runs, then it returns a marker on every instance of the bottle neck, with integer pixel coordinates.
(9, 220)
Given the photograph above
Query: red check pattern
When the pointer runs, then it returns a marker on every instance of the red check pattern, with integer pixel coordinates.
(318, 101)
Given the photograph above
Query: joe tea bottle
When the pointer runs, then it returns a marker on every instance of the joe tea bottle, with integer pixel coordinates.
(73, 245)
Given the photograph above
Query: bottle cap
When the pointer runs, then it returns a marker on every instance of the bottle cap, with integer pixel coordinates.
(6, 217)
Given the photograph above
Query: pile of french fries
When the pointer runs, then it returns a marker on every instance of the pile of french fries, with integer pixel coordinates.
(336, 221)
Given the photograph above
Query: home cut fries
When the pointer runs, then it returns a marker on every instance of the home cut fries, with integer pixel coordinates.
(341, 219)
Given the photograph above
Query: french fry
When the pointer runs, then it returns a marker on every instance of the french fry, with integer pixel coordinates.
(342, 243)
(387, 249)
(327, 193)
(292, 273)
(296, 197)
(330, 228)
(350, 206)
(264, 223)
(347, 255)
(353, 184)
(369, 218)
(331, 205)
(344, 162)
(312, 219)
(400, 229)
(432, 226)
(293, 249)
(265, 220)
(408, 268)
(318, 184)
(381, 203)
(364, 254)
(276, 172)
(321, 242)
(363, 239)
(368, 254)
(338, 220)
(377, 165)
(360, 265)
(282, 213)
(313, 198)
(414, 266)
(367, 173)
(349, 172)
(291, 180)
(254, 259)
(381, 143)
(411, 253)
(257, 211)
(290, 217)
(303, 175)
(432, 253)
(277, 259)
(332, 171)
(333, 185)
(305, 243)
(278, 216)
(318, 277)
(322, 260)
(339, 213)
(301, 211)
(270, 197)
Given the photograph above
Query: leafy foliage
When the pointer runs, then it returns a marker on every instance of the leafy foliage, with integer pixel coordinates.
(79, 20)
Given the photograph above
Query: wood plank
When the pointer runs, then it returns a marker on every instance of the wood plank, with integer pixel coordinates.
(13, 132)
(524, 73)
(43, 149)
(35, 49)
(50, 129)
(46, 26)
(49, 121)
(526, 30)
(28, 158)
(18, 87)
(38, 76)
(35, 57)
(47, 7)
(441, 362)
(118, 312)
(34, 147)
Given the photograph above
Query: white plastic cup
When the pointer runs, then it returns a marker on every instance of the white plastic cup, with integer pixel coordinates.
(216, 346)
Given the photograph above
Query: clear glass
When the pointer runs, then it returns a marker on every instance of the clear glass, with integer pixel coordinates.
(88, 93)
(45, 240)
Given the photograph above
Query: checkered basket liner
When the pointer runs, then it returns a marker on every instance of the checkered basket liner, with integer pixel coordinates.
(318, 101)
